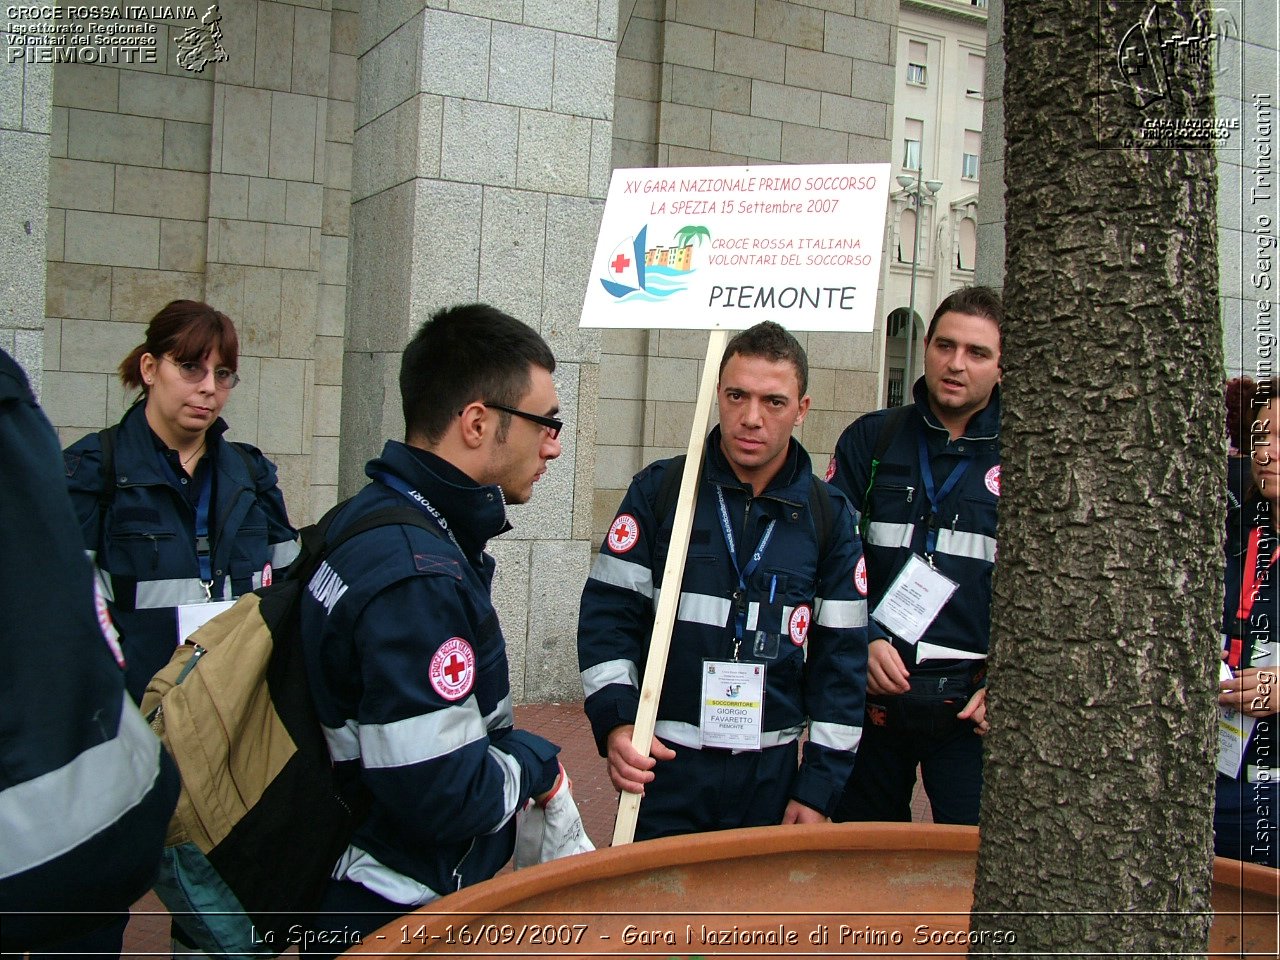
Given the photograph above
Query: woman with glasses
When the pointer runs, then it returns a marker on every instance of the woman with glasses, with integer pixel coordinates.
(177, 517)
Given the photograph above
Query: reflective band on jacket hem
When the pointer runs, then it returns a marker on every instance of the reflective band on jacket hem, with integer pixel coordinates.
(837, 736)
(427, 736)
(595, 679)
(359, 867)
(688, 734)
(623, 573)
(159, 594)
(701, 608)
(840, 614)
(55, 812)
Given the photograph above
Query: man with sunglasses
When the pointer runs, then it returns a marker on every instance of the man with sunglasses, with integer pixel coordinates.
(407, 660)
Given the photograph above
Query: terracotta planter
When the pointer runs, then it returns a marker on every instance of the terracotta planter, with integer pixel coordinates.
(833, 890)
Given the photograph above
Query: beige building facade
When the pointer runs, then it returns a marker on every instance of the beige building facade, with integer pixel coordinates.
(335, 170)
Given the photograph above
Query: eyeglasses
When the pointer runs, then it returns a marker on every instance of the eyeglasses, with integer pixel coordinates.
(224, 377)
(552, 425)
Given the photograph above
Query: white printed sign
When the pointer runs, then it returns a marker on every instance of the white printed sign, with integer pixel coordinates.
(727, 247)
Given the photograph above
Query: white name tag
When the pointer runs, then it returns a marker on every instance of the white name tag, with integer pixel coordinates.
(1234, 730)
(913, 601)
(732, 704)
(193, 616)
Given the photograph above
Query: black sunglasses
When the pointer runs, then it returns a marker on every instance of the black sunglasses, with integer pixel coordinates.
(552, 425)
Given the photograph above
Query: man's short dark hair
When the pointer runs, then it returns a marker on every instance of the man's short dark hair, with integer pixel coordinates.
(975, 301)
(463, 354)
(772, 342)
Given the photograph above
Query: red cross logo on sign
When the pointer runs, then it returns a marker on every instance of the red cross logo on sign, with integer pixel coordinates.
(799, 625)
(453, 669)
(620, 263)
(624, 534)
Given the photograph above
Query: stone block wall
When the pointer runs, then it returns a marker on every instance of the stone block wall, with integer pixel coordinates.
(25, 130)
(227, 184)
(483, 138)
(737, 83)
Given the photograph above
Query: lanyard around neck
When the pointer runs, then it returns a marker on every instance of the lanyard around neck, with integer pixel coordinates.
(936, 496)
(744, 573)
(418, 500)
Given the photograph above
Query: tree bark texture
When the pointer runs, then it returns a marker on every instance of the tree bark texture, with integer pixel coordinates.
(1097, 812)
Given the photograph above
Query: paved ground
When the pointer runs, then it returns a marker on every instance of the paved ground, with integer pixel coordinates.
(562, 723)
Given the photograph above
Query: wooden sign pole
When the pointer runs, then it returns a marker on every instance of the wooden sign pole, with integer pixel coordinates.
(655, 667)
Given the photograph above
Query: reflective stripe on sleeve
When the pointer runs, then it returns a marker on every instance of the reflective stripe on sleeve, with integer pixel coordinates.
(623, 573)
(427, 736)
(285, 552)
(55, 812)
(343, 742)
(884, 534)
(840, 614)
(837, 736)
(501, 716)
(511, 800)
(595, 679)
(961, 543)
(359, 867)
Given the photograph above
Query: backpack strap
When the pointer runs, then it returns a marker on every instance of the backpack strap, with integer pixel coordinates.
(821, 510)
(669, 490)
(889, 429)
(316, 546)
(107, 489)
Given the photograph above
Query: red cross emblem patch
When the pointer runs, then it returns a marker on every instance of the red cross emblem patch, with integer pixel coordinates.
(799, 625)
(831, 469)
(453, 669)
(624, 534)
(992, 479)
(860, 576)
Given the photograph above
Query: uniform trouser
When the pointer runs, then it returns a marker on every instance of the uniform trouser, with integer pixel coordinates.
(903, 732)
(713, 789)
(1245, 817)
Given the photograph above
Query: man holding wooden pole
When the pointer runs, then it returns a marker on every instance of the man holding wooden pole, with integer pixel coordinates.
(770, 631)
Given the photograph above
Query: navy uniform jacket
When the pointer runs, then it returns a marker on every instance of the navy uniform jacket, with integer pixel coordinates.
(147, 556)
(824, 690)
(408, 668)
(85, 790)
(900, 518)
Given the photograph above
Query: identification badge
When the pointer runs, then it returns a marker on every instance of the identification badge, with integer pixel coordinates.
(1234, 730)
(913, 601)
(732, 704)
(193, 616)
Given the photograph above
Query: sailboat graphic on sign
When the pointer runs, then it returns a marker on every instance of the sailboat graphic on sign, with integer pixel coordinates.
(626, 266)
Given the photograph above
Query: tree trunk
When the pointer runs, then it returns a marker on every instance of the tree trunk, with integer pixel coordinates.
(1097, 812)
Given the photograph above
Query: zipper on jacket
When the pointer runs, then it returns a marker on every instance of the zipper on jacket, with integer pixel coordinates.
(911, 492)
(457, 871)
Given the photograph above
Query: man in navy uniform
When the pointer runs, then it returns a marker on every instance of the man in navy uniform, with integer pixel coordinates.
(926, 480)
(770, 632)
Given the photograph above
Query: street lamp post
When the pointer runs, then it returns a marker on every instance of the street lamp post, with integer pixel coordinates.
(916, 186)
